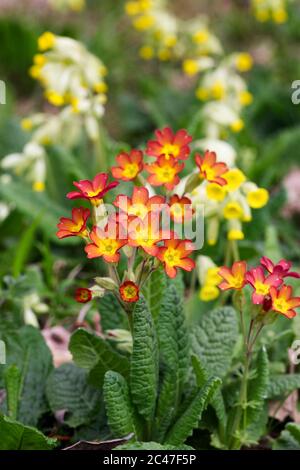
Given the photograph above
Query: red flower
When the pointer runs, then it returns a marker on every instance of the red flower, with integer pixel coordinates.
(129, 291)
(210, 169)
(140, 204)
(83, 295)
(261, 284)
(180, 208)
(282, 269)
(283, 302)
(130, 165)
(174, 254)
(169, 144)
(93, 190)
(234, 278)
(76, 226)
(104, 245)
(164, 172)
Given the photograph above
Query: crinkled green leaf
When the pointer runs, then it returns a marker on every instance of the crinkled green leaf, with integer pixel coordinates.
(68, 389)
(154, 291)
(214, 340)
(282, 385)
(289, 439)
(96, 355)
(151, 446)
(258, 386)
(112, 314)
(144, 361)
(16, 436)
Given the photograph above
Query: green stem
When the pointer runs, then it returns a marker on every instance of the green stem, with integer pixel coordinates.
(100, 155)
(235, 250)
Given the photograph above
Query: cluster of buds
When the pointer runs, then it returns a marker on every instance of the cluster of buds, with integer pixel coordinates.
(270, 10)
(142, 228)
(65, 5)
(225, 194)
(270, 293)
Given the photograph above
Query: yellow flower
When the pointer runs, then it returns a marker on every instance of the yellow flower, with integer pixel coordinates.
(38, 186)
(212, 276)
(233, 210)
(132, 8)
(234, 178)
(258, 198)
(26, 124)
(144, 22)
(146, 52)
(218, 90)
(35, 71)
(54, 98)
(244, 62)
(190, 67)
(201, 36)
(170, 41)
(39, 59)
(100, 87)
(280, 15)
(245, 98)
(208, 293)
(237, 126)
(46, 41)
(202, 93)
(164, 54)
(235, 234)
(215, 192)
(262, 15)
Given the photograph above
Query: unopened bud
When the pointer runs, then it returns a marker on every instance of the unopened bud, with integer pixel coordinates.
(106, 282)
(192, 182)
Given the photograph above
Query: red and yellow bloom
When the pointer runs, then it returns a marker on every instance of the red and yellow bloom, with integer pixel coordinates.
(261, 284)
(210, 169)
(83, 295)
(104, 245)
(140, 204)
(174, 254)
(129, 291)
(168, 144)
(283, 302)
(234, 278)
(180, 208)
(76, 226)
(282, 268)
(93, 190)
(130, 165)
(164, 172)
(146, 234)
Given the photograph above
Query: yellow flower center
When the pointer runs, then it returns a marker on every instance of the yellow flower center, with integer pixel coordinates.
(281, 305)
(237, 281)
(130, 292)
(233, 211)
(170, 149)
(177, 210)
(171, 257)
(139, 210)
(109, 246)
(166, 174)
(131, 170)
(261, 288)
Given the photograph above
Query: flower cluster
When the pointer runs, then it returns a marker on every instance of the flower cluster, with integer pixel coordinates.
(274, 10)
(269, 290)
(209, 279)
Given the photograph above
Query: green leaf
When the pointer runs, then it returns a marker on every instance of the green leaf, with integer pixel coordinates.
(28, 351)
(214, 340)
(289, 439)
(16, 436)
(112, 314)
(282, 385)
(120, 413)
(154, 290)
(67, 389)
(258, 386)
(12, 377)
(144, 361)
(97, 356)
(189, 420)
(151, 446)
(22, 250)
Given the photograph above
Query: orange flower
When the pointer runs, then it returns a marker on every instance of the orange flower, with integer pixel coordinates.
(129, 291)
(93, 190)
(174, 254)
(169, 144)
(283, 302)
(83, 295)
(104, 245)
(130, 165)
(234, 278)
(164, 172)
(180, 208)
(140, 204)
(76, 226)
(210, 169)
(146, 234)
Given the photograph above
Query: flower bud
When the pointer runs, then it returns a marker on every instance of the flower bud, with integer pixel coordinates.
(106, 282)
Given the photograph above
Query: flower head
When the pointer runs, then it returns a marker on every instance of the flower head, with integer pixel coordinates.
(180, 208)
(146, 234)
(83, 295)
(234, 278)
(129, 291)
(140, 204)
(169, 144)
(105, 245)
(164, 172)
(283, 302)
(174, 254)
(130, 165)
(261, 284)
(93, 190)
(210, 169)
(76, 226)
(281, 269)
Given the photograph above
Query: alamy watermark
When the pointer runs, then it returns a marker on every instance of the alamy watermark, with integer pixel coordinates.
(296, 92)
(2, 92)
